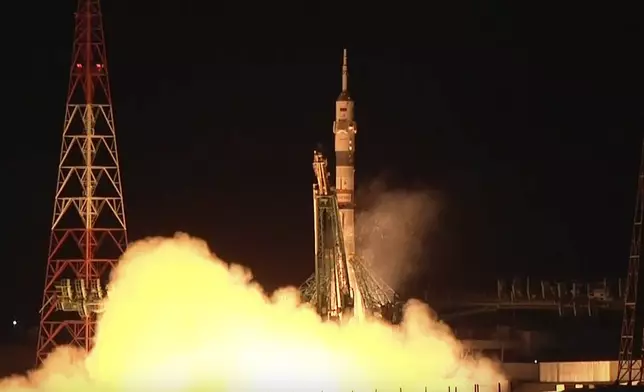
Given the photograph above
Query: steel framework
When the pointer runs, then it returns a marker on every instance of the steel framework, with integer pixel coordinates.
(629, 370)
(339, 280)
(568, 298)
(332, 282)
(88, 230)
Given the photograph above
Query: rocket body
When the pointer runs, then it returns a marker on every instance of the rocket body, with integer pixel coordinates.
(345, 129)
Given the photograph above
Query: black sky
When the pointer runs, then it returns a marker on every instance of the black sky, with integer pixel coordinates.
(527, 120)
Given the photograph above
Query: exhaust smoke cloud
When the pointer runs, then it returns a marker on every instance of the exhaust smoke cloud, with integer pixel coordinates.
(180, 319)
(392, 230)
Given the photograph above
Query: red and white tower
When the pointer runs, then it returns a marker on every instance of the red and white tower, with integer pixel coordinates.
(88, 230)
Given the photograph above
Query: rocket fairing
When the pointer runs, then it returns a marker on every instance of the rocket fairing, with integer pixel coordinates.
(345, 129)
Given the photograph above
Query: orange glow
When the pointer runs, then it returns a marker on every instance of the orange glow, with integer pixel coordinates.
(180, 319)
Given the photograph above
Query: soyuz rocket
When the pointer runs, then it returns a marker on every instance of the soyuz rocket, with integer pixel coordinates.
(345, 129)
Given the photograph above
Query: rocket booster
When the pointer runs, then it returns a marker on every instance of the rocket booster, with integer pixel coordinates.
(345, 129)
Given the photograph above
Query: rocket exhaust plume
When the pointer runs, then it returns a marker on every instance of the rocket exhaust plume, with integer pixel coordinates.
(180, 319)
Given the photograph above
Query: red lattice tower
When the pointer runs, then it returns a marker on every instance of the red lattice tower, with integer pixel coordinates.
(88, 230)
(630, 368)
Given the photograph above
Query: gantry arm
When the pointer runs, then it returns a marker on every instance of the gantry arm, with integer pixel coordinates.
(321, 173)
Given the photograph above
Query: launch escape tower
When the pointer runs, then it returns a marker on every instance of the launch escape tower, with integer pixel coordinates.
(337, 267)
(629, 370)
(88, 230)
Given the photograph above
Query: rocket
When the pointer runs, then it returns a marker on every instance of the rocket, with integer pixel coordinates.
(345, 129)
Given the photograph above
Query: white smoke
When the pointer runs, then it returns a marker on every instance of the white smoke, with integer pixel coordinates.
(393, 229)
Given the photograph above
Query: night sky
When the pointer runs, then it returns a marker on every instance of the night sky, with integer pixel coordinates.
(528, 122)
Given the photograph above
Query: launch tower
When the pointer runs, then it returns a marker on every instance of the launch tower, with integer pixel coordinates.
(335, 243)
(331, 276)
(340, 285)
(88, 230)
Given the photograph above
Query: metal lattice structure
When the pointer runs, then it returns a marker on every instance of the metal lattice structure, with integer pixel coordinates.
(337, 281)
(331, 278)
(629, 369)
(88, 230)
(576, 298)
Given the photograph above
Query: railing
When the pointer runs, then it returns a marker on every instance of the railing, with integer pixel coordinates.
(566, 297)
(474, 388)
